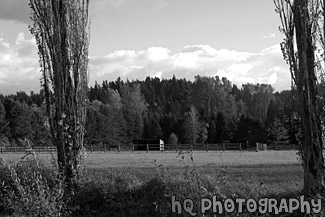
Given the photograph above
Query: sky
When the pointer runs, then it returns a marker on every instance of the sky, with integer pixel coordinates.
(133, 39)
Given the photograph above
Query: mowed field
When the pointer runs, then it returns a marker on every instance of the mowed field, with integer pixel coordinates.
(235, 174)
(100, 160)
(269, 172)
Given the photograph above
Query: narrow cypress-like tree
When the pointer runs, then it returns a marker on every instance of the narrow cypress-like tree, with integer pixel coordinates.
(192, 126)
(302, 25)
(3, 121)
(61, 31)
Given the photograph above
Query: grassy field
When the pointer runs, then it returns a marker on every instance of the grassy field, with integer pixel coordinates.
(172, 159)
(271, 172)
(277, 171)
(232, 174)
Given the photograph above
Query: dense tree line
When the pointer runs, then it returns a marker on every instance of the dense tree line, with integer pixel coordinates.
(206, 110)
(22, 117)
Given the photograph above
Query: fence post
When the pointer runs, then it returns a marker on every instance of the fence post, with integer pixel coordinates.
(239, 146)
(161, 147)
(223, 146)
(207, 147)
(118, 146)
(147, 148)
(132, 147)
(104, 147)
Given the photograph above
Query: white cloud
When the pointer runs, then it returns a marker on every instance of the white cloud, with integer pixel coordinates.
(3, 43)
(186, 60)
(19, 67)
(266, 66)
(157, 53)
(269, 36)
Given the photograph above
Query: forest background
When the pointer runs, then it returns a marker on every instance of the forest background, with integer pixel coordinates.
(206, 110)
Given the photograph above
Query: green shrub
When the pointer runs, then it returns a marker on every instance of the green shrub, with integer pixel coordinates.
(114, 196)
(28, 189)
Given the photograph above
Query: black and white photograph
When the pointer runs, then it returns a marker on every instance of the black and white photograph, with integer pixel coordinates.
(162, 108)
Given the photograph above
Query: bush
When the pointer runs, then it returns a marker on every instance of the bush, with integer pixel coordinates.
(29, 190)
(114, 196)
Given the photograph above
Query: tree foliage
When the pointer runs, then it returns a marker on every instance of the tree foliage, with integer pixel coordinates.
(165, 106)
(19, 119)
(60, 29)
(173, 139)
(303, 49)
(277, 133)
(3, 121)
(134, 110)
(192, 126)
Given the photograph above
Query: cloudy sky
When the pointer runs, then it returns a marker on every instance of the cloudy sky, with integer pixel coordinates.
(237, 39)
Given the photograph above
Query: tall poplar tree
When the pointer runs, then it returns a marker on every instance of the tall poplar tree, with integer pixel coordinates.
(303, 27)
(61, 31)
(134, 110)
(3, 121)
(192, 126)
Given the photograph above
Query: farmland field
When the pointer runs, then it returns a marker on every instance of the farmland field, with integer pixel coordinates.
(231, 173)
(102, 160)
(278, 170)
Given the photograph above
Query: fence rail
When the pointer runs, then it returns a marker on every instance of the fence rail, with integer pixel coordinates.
(154, 147)
(20, 149)
(133, 147)
(203, 147)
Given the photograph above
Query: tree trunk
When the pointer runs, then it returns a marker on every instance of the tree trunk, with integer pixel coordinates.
(60, 29)
(306, 86)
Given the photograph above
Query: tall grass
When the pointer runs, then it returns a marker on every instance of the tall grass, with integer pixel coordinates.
(29, 188)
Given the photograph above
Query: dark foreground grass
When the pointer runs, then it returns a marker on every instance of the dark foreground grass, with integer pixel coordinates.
(149, 191)
(274, 178)
(143, 191)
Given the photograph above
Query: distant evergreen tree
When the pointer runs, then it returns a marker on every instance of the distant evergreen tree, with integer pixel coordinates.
(22, 96)
(250, 130)
(173, 139)
(92, 126)
(3, 121)
(152, 129)
(212, 132)
(169, 124)
(134, 110)
(36, 98)
(19, 117)
(192, 126)
(105, 123)
(257, 98)
(277, 133)
(220, 127)
(40, 132)
(203, 133)
(271, 114)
